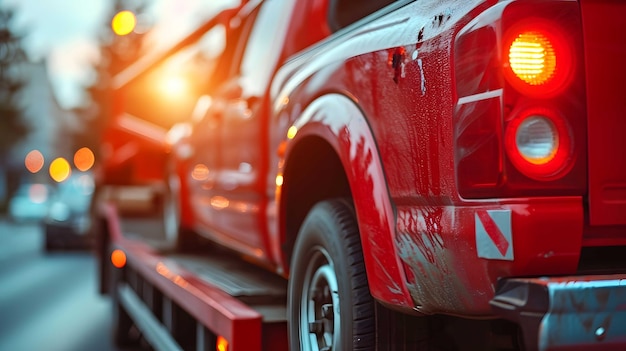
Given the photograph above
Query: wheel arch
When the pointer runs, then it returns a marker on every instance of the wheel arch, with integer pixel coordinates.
(334, 154)
(314, 173)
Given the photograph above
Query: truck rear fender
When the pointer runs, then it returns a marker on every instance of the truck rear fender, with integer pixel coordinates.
(331, 152)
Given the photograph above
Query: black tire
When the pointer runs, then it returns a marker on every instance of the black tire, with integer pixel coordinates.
(328, 283)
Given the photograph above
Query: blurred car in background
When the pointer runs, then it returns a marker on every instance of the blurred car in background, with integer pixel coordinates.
(30, 202)
(67, 223)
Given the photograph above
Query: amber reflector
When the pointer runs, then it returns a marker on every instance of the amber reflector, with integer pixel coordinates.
(532, 58)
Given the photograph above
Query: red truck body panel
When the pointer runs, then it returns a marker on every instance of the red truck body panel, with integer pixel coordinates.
(390, 100)
(605, 39)
(227, 175)
(419, 235)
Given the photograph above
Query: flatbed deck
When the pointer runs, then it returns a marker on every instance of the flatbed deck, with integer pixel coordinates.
(190, 301)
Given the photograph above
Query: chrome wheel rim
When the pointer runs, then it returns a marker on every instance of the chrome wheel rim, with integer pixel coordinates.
(320, 317)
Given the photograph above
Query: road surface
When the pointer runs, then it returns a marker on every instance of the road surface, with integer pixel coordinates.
(49, 301)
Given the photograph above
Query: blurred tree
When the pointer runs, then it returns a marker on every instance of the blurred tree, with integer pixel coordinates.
(12, 125)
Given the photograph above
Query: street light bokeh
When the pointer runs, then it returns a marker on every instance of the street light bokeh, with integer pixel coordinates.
(60, 169)
(84, 159)
(34, 161)
(123, 22)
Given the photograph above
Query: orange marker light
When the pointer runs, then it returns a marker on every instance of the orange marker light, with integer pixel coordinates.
(123, 22)
(84, 159)
(532, 58)
(60, 169)
(222, 344)
(34, 161)
(118, 258)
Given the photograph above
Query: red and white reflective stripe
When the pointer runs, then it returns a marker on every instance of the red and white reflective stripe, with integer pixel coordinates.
(494, 239)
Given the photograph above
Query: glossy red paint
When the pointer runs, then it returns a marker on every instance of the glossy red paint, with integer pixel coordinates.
(227, 201)
(403, 86)
(404, 115)
(406, 103)
(336, 119)
(603, 27)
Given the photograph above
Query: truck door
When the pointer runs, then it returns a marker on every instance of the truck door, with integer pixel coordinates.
(240, 196)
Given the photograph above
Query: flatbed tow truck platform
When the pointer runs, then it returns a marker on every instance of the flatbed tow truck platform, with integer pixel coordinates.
(206, 300)
(211, 299)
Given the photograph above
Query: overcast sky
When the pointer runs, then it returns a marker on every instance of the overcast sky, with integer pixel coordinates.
(65, 32)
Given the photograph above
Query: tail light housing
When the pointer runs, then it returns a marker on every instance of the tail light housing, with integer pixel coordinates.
(519, 122)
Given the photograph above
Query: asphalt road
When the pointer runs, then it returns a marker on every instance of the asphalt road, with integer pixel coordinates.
(49, 301)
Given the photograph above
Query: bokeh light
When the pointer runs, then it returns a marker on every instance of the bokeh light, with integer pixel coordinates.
(123, 22)
(221, 344)
(84, 159)
(38, 193)
(118, 258)
(34, 161)
(173, 86)
(200, 172)
(86, 184)
(60, 169)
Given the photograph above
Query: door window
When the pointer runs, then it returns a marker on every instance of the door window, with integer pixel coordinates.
(264, 46)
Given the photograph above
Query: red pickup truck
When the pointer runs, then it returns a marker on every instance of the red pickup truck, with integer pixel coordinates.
(421, 159)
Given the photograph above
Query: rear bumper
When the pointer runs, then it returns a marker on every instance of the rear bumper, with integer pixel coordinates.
(573, 313)
(452, 260)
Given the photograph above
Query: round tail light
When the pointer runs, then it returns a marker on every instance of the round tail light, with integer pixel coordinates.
(537, 140)
(539, 144)
(532, 58)
(538, 58)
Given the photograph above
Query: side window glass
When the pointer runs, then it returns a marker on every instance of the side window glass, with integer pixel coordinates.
(342, 13)
(264, 46)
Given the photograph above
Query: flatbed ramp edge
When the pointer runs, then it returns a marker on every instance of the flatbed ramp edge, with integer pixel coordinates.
(200, 301)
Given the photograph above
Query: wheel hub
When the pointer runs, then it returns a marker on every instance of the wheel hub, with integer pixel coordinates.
(322, 307)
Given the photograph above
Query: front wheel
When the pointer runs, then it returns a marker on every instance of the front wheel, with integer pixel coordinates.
(330, 306)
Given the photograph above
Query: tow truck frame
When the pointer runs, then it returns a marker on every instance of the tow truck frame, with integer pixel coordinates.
(176, 301)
